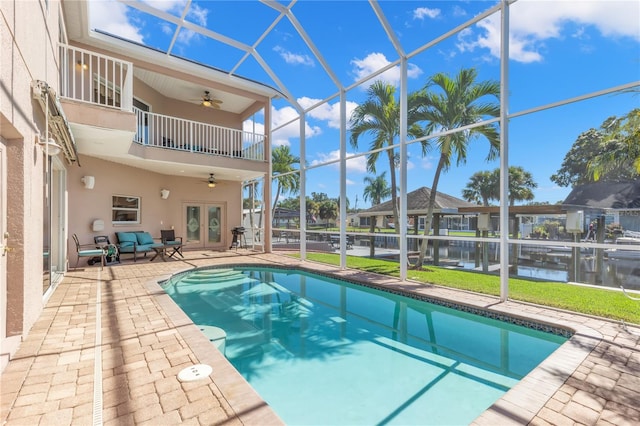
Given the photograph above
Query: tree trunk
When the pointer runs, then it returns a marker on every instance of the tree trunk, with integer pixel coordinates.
(394, 195)
(275, 203)
(429, 219)
(372, 239)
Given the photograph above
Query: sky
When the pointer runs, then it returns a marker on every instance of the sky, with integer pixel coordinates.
(560, 49)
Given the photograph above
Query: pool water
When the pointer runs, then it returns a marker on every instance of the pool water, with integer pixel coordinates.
(325, 352)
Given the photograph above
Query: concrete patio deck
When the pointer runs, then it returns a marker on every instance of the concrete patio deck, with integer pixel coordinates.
(109, 345)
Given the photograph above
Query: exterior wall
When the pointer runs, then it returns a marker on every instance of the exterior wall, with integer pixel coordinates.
(86, 205)
(29, 34)
(107, 118)
(29, 51)
(161, 104)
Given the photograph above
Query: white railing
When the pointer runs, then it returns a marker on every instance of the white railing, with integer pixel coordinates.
(164, 131)
(97, 79)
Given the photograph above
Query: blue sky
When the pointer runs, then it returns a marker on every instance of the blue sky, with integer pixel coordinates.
(559, 50)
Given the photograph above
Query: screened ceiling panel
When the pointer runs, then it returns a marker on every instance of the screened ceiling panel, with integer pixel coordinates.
(338, 37)
(293, 61)
(217, 16)
(206, 51)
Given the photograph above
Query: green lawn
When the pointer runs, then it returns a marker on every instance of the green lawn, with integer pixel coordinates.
(593, 301)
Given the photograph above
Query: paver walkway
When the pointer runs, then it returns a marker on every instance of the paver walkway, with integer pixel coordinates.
(109, 345)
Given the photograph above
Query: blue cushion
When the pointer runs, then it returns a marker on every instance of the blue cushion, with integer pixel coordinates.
(144, 238)
(126, 239)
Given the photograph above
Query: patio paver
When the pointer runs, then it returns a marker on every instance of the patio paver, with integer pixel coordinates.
(145, 341)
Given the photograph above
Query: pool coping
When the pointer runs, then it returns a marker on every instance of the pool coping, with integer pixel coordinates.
(526, 398)
(248, 406)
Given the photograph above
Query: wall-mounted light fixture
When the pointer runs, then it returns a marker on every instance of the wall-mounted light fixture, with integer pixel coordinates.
(49, 147)
(164, 193)
(89, 181)
(83, 65)
(97, 225)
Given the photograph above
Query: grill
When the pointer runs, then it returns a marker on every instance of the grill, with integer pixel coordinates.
(238, 238)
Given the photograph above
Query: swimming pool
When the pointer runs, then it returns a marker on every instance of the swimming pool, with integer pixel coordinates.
(323, 351)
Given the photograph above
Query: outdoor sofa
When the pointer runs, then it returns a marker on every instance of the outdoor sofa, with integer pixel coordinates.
(136, 242)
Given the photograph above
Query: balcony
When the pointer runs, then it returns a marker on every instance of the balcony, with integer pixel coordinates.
(105, 84)
(163, 131)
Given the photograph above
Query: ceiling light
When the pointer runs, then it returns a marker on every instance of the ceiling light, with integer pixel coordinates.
(211, 184)
(206, 103)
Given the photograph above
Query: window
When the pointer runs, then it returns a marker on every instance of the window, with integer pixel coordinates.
(125, 209)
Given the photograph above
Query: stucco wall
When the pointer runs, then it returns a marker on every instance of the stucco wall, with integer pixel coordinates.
(28, 51)
(86, 205)
(161, 104)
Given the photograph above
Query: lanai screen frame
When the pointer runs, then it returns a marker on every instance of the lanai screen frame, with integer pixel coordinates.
(286, 12)
(504, 240)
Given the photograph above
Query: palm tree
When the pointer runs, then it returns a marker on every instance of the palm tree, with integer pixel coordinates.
(480, 188)
(282, 162)
(619, 149)
(377, 189)
(449, 103)
(380, 116)
(251, 203)
(521, 184)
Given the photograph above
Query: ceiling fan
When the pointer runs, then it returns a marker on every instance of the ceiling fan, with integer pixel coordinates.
(208, 102)
(211, 182)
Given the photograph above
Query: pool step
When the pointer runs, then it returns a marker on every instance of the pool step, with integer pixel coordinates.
(216, 335)
(211, 275)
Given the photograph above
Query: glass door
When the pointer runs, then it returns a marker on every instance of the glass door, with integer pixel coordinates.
(204, 225)
(192, 222)
(214, 216)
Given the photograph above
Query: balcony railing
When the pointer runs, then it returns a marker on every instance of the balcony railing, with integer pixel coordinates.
(97, 79)
(164, 131)
(102, 80)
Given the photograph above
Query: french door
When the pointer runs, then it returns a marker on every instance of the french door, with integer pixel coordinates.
(204, 225)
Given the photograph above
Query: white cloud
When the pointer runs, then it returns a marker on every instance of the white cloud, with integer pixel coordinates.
(427, 163)
(458, 11)
(425, 12)
(375, 61)
(534, 21)
(250, 126)
(198, 14)
(354, 165)
(291, 130)
(294, 58)
(326, 112)
(112, 18)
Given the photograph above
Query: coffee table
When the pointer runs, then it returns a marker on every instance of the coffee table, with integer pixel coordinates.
(159, 250)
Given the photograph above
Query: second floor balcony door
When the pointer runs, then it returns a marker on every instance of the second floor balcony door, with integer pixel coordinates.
(204, 225)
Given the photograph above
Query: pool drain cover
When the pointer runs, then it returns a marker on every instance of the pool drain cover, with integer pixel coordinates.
(195, 372)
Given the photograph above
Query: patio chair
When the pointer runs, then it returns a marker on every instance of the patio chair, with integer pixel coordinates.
(169, 239)
(88, 250)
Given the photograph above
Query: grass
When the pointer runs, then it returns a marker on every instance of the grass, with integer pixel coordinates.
(587, 300)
